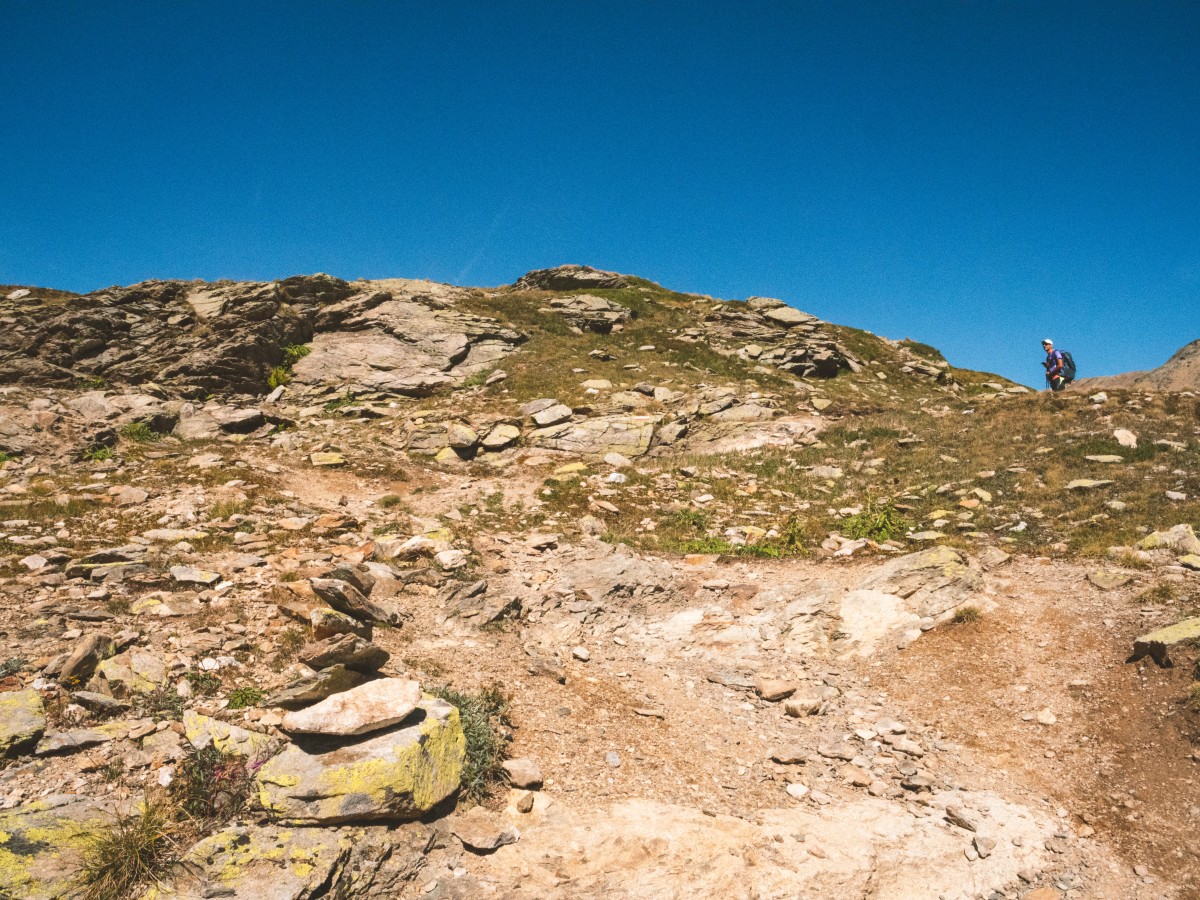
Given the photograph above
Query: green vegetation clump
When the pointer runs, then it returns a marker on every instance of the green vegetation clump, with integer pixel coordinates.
(880, 523)
(243, 697)
(281, 374)
(12, 666)
(136, 850)
(483, 716)
(98, 454)
(211, 786)
(204, 684)
(140, 433)
(387, 501)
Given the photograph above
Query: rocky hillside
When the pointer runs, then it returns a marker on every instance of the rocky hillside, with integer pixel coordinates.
(578, 588)
(1179, 373)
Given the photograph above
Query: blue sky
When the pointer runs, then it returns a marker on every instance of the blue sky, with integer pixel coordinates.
(976, 175)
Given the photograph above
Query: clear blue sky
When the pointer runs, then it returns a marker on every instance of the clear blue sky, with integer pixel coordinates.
(976, 175)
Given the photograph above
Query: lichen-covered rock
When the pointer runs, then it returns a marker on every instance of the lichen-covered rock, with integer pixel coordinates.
(397, 774)
(203, 730)
(258, 862)
(932, 581)
(135, 671)
(22, 721)
(1181, 539)
(42, 843)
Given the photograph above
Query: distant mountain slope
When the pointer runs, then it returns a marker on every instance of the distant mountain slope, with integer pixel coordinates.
(1179, 373)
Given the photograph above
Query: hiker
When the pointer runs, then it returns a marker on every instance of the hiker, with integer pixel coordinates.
(1058, 374)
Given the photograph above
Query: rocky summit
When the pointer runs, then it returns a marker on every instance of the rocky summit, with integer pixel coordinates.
(579, 587)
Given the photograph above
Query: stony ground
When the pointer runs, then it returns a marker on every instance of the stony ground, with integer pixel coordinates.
(767, 624)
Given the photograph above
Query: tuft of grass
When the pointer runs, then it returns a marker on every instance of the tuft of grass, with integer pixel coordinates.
(98, 454)
(483, 715)
(243, 697)
(223, 509)
(877, 523)
(164, 703)
(204, 684)
(965, 615)
(1164, 592)
(140, 433)
(12, 666)
(293, 353)
(388, 501)
(5, 456)
(135, 851)
(338, 403)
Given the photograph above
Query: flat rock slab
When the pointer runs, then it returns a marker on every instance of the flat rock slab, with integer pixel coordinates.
(1088, 484)
(1109, 579)
(315, 688)
(393, 775)
(369, 707)
(42, 845)
(247, 862)
(482, 830)
(855, 848)
(1157, 644)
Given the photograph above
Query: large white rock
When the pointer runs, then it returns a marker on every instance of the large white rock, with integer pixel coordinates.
(361, 710)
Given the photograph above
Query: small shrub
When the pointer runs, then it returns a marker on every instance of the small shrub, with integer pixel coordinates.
(139, 433)
(243, 697)
(118, 606)
(5, 456)
(164, 703)
(135, 851)
(290, 641)
(689, 520)
(12, 666)
(483, 715)
(211, 786)
(204, 684)
(389, 500)
(965, 615)
(278, 377)
(223, 509)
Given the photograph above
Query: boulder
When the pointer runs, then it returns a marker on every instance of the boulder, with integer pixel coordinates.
(347, 650)
(591, 313)
(1158, 644)
(270, 862)
(22, 721)
(397, 774)
(1180, 539)
(344, 597)
(570, 278)
(135, 671)
(500, 437)
(628, 435)
(327, 623)
(361, 710)
(88, 652)
(932, 581)
(315, 687)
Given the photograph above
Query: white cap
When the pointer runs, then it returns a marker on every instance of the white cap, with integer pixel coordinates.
(1048, 341)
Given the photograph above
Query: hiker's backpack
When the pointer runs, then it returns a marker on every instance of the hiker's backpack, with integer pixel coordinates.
(1068, 365)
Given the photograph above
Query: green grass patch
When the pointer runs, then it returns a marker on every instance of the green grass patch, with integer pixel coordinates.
(245, 697)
